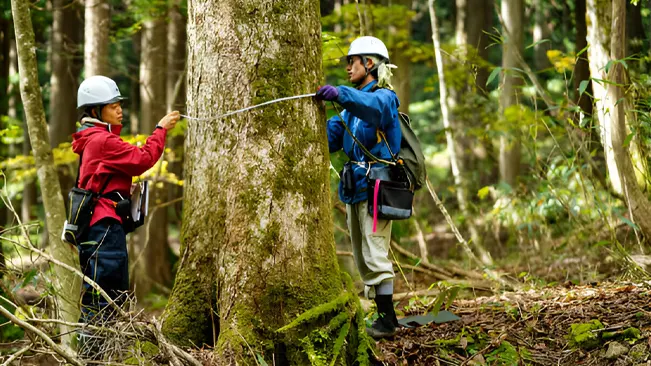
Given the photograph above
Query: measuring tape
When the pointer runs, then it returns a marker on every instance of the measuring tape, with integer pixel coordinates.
(249, 108)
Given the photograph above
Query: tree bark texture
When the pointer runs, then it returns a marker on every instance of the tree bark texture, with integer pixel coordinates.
(152, 250)
(598, 16)
(96, 37)
(257, 240)
(512, 13)
(67, 285)
(637, 202)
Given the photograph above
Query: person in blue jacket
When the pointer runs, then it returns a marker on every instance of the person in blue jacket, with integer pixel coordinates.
(370, 111)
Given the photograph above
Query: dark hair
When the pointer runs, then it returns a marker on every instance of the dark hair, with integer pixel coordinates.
(88, 112)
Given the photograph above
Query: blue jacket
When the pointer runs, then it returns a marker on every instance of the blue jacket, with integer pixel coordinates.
(365, 113)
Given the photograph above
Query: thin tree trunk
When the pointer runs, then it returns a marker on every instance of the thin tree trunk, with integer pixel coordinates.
(451, 125)
(512, 13)
(96, 37)
(598, 37)
(5, 46)
(257, 235)
(176, 90)
(153, 264)
(67, 285)
(637, 202)
(66, 68)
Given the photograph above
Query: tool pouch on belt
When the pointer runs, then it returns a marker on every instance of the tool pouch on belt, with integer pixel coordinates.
(123, 209)
(348, 180)
(390, 195)
(81, 204)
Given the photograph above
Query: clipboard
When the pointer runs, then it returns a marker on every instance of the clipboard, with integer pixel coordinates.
(140, 203)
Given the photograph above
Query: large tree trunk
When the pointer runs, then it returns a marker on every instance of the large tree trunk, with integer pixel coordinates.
(257, 232)
(67, 285)
(479, 21)
(512, 13)
(637, 202)
(96, 37)
(65, 45)
(151, 250)
(452, 126)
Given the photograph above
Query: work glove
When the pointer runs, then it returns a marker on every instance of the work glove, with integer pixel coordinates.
(328, 92)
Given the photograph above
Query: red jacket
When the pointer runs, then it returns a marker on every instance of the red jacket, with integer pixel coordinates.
(106, 154)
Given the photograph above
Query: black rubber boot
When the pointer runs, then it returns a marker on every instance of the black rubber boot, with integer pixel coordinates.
(385, 325)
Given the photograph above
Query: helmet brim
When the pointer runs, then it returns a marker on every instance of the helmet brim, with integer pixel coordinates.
(110, 101)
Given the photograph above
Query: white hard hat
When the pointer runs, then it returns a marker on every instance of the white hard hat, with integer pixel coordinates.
(98, 90)
(368, 45)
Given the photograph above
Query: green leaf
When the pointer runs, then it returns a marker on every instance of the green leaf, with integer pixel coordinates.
(452, 295)
(583, 86)
(261, 360)
(439, 301)
(628, 139)
(628, 222)
(537, 43)
(493, 75)
(29, 277)
(482, 193)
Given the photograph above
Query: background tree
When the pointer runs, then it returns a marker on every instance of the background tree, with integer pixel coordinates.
(257, 231)
(67, 285)
(66, 67)
(152, 264)
(96, 37)
(512, 13)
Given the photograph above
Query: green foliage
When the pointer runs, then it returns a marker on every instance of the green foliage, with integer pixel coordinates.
(581, 335)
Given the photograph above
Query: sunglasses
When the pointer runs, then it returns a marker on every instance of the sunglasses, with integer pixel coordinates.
(351, 59)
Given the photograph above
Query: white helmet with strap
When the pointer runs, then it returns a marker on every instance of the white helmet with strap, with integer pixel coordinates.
(98, 90)
(369, 46)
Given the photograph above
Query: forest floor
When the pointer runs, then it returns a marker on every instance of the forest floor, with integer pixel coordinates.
(600, 324)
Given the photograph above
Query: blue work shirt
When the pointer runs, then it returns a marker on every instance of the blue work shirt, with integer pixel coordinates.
(365, 112)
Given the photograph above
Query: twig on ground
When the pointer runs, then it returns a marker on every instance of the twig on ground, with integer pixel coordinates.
(23, 324)
(15, 356)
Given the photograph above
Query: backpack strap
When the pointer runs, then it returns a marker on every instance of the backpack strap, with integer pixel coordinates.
(361, 146)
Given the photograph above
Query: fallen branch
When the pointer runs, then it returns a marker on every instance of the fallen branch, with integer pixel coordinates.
(23, 324)
(15, 356)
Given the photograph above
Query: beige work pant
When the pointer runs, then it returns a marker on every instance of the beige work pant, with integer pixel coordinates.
(370, 250)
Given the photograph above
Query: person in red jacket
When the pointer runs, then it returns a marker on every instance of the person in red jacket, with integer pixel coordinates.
(106, 161)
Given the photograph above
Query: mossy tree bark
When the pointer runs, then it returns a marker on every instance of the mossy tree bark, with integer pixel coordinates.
(637, 201)
(599, 22)
(257, 240)
(67, 285)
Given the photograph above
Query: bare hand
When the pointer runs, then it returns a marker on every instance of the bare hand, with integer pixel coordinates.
(169, 121)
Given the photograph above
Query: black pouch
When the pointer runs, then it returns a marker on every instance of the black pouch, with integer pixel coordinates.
(81, 204)
(389, 193)
(348, 180)
(123, 209)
